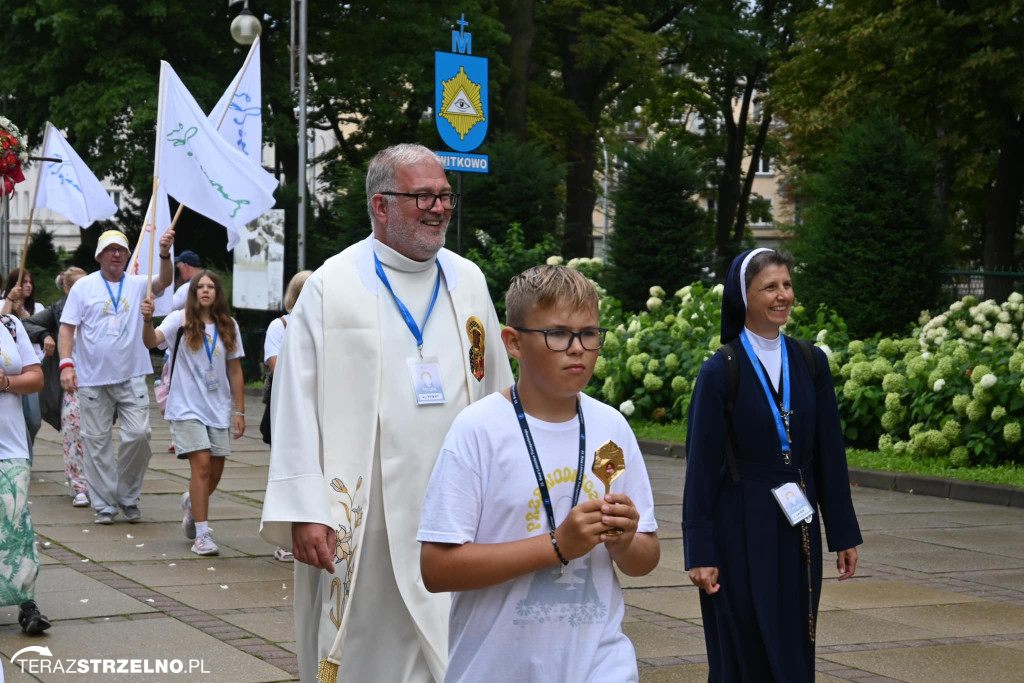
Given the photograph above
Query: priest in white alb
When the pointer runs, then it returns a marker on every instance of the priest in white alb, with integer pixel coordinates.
(360, 430)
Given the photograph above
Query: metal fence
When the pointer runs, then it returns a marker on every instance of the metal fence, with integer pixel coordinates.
(957, 284)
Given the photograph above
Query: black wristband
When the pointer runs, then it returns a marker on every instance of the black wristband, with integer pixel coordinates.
(165, 257)
(561, 557)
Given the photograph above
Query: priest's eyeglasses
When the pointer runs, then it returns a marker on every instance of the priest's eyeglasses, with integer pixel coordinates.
(558, 339)
(425, 200)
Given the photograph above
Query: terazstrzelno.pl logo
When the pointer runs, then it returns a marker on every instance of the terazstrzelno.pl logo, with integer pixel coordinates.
(35, 659)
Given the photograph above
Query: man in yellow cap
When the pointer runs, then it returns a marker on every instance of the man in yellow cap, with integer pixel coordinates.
(102, 357)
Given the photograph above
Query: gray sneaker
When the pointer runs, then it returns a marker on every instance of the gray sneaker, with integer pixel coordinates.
(132, 514)
(105, 517)
(204, 545)
(188, 523)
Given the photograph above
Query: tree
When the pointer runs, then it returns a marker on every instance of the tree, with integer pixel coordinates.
(661, 234)
(41, 253)
(731, 50)
(868, 244)
(951, 71)
(599, 57)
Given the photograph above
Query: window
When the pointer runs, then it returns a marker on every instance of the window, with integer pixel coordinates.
(116, 196)
(761, 211)
(764, 166)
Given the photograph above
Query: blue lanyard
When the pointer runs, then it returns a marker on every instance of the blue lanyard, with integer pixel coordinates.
(781, 419)
(538, 471)
(211, 348)
(120, 286)
(410, 322)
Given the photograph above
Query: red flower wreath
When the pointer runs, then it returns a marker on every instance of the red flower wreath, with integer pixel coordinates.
(12, 154)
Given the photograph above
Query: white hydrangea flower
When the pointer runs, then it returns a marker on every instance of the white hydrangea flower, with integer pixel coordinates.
(583, 261)
(939, 383)
(1003, 330)
(956, 307)
(925, 354)
(1016, 298)
(1004, 317)
(596, 261)
(654, 303)
(657, 291)
(924, 318)
(627, 408)
(988, 381)
(684, 292)
(718, 289)
(554, 260)
(826, 348)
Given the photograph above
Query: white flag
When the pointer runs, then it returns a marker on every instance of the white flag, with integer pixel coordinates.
(68, 186)
(199, 168)
(139, 265)
(238, 116)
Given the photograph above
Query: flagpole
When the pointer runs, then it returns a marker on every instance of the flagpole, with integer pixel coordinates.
(32, 211)
(152, 240)
(156, 175)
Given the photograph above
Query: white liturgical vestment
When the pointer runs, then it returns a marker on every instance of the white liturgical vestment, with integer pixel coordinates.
(354, 450)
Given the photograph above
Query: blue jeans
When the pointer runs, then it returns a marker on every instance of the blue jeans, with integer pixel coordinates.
(33, 418)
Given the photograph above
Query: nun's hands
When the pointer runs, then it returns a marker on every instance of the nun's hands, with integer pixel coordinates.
(705, 578)
(846, 563)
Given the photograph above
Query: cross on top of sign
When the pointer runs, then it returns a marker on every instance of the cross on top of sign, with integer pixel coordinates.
(462, 42)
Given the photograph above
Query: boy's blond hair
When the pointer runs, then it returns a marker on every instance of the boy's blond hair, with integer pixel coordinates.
(544, 286)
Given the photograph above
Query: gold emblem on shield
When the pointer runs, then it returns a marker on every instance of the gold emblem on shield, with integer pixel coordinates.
(461, 105)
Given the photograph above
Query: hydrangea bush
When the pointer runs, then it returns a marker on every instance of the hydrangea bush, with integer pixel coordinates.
(953, 389)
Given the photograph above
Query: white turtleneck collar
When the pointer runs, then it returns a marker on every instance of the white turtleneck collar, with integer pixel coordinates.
(769, 352)
(393, 259)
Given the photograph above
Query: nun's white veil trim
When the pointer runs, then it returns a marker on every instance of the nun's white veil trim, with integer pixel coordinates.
(743, 272)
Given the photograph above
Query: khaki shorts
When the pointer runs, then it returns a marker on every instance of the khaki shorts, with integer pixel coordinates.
(192, 435)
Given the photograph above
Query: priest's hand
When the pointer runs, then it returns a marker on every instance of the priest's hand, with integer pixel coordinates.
(313, 544)
(705, 578)
(846, 563)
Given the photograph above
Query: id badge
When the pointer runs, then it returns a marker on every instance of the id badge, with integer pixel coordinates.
(114, 326)
(212, 381)
(794, 503)
(425, 374)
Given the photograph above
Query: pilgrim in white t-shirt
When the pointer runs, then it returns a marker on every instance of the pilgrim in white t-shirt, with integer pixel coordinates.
(16, 354)
(551, 624)
(108, 339)
(189, 397)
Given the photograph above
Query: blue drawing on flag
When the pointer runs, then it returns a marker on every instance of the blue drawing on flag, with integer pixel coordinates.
(245, 113)
(60, 169)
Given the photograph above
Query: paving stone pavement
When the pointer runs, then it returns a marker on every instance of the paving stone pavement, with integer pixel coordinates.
(939, 594)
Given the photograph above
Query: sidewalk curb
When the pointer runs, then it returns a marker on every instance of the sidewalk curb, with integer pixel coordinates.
(920, 484)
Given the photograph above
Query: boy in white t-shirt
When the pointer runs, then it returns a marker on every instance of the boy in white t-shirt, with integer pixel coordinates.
(535, 593)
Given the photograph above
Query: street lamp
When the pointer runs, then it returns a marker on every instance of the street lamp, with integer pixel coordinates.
(245, 27)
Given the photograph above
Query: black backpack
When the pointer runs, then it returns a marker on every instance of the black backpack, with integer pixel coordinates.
(730, 352)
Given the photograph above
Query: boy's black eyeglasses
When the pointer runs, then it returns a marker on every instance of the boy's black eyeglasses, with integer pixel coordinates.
(425, 200)
(558, 339)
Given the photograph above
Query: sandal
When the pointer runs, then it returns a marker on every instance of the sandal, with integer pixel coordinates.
(282, 555)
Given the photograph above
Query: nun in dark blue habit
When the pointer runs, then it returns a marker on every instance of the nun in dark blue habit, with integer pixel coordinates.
(751, 531)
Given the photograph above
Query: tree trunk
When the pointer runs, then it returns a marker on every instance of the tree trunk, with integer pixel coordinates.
(1004, 205)
(517, 16)
(580, 196)
(748, 181)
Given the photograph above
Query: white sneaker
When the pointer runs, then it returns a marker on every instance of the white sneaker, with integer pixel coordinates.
(204, 545)
(81, 501)
(188, 523)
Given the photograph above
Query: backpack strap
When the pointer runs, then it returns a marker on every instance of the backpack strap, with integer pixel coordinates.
(730, 353)
(174, 356)
(810, 360)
